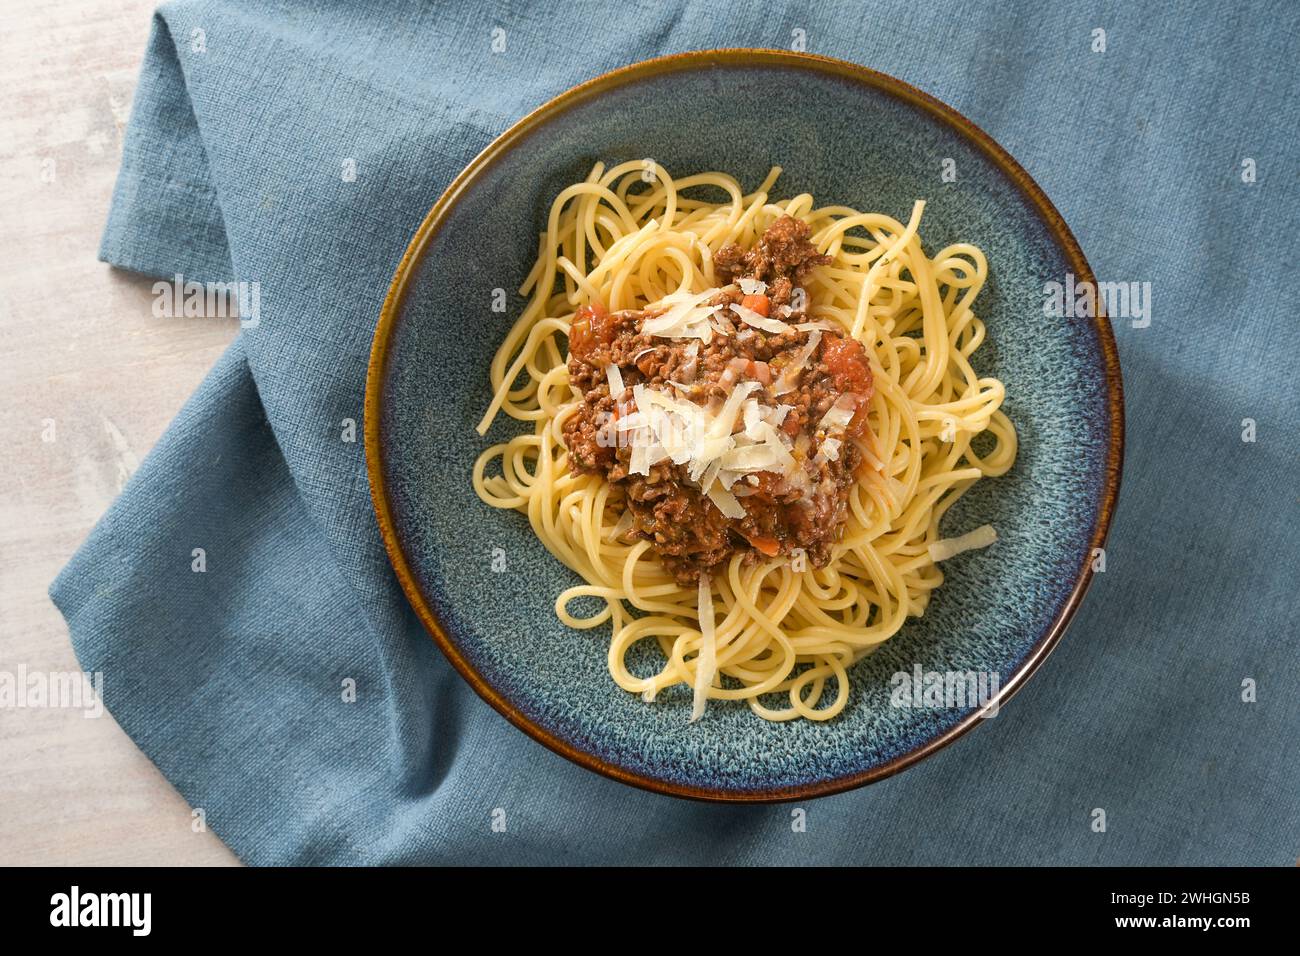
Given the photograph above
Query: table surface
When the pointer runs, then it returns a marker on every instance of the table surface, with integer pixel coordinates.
(79, 347)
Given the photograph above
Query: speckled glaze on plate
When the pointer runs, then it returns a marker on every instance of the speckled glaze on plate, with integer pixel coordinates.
(849, 136)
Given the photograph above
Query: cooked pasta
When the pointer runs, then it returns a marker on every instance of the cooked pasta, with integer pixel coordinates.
(746, 419)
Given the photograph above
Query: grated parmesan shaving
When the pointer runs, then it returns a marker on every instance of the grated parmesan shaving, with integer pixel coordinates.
(750, 458)
(946, 548)
(710, 473)
(726, 502)
(637, 464)
(615, 378)
(829, 451)
(728, 479)
(726, 420)
(622, 526)
(840, 414)
(656, 454)
(752, 286)
(686, 318)
(706, 664)
(775, 440)
(750, 317)
(631, 422)
(790, 374)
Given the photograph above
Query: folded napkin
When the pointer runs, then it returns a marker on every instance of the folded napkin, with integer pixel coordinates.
(299, 148)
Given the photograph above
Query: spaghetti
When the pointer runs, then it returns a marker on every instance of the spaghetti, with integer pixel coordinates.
(856, 476)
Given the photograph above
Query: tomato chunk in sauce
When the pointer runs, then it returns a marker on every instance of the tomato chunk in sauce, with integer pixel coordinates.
(591, 327)
(846, 360)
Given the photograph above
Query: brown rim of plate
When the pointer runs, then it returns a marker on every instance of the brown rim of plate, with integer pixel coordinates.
(670, 64)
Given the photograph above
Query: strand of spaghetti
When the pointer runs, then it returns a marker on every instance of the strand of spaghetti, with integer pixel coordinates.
(868, 283)
(534, 333)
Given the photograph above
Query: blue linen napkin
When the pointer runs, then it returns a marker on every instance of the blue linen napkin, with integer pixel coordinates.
(231, 680)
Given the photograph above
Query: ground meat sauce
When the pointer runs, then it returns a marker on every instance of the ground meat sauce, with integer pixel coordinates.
(783, 512)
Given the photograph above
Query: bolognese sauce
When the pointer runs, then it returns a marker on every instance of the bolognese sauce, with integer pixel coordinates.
(768, 404)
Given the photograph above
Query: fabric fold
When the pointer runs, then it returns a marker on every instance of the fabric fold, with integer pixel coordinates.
(165, 217)
(281, 681)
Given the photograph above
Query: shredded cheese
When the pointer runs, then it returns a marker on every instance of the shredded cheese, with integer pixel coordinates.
(750, 317)
(637, 463)
(622, 526)
(686, 318)
(946, 548)
(840, 414)
(750, 458)
(615, 378)
(829, 451)
(706, 664)
(790, 374)
(726, 502)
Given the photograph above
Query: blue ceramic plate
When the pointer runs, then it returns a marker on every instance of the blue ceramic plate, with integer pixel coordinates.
(849, 136)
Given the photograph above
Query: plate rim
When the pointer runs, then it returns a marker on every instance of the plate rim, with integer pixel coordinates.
(695, 60)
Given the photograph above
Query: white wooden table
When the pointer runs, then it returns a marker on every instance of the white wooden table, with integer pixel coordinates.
(78, 345)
